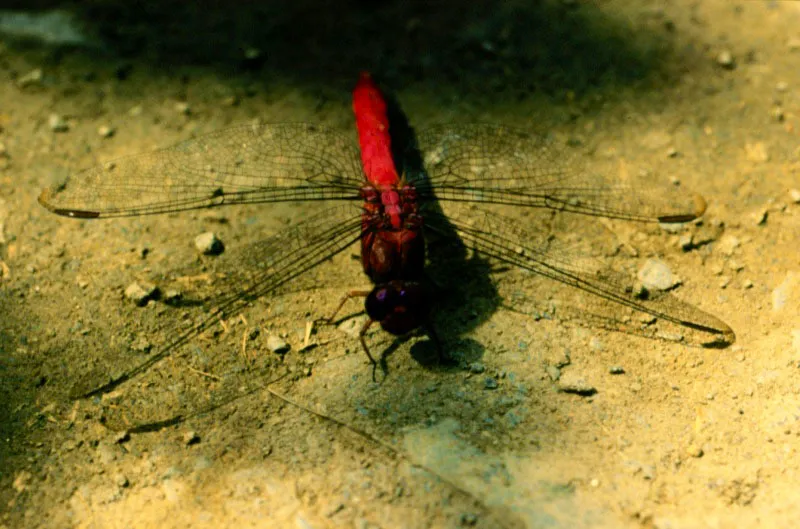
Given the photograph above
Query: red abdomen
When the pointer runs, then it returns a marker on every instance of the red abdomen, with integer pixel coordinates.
(373, 133)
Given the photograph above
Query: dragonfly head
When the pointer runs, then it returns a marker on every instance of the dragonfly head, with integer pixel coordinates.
(399, 306)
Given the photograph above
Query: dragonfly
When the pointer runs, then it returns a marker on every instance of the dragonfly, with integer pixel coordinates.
(378, 196)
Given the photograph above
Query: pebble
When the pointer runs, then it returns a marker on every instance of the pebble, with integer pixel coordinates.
(141, 293)
(785, 292)
(793, 44)
(616, 370)
(209, 244)
(756, 152)
(777, 113)
(656, 275)
(727, 244)
(794, 195)
(172, 295)
(182, 107)
(685, 242)
(469, 519)
(760, 217)
(277, 345)
(747, 283)
(34, 77)
(726, 60)
(477, 368)
(490, 383)
(576, 384)
(190, 438)
(121, 480)
(106, 131)
(57, 123)
(553, 372)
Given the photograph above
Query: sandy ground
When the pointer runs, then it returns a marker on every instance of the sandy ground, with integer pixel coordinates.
(704, 94)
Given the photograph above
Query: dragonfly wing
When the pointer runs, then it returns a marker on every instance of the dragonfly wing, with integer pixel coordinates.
(615, 295)
(261, 268)
(243, 164)
(502, 165)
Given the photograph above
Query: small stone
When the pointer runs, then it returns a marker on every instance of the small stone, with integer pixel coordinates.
(209, 244)
(781, 86)
(794, 195)
(553, 372)
(122, 437)
(777, 114)
(725, 60)
(760, 217)
(756, 152)
(616, 370)
(277, 345)
(793, 43)
(594, 483)
(672, 152)
(32, 78)
(786, 292)
(469, 519)
(694, 451)
(135, 111)
(190, 438)
(57, 123)
(685, 242)
(724, 281)
(172, 296)
(141, 293)
(747, 284)
(121, 480)
(106, 131)
(182, 107)
(727, 244)
(476, 368)
(490, 383)
(572, 383)
(656, 275)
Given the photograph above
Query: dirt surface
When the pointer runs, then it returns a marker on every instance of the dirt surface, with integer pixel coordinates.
(704, 96)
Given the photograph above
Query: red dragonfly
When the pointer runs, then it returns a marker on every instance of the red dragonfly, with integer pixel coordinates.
(387, 211)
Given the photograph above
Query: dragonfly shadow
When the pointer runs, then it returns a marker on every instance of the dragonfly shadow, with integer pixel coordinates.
(460, 284)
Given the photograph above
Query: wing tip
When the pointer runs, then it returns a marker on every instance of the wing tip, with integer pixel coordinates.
(45, 200)
(699, 206)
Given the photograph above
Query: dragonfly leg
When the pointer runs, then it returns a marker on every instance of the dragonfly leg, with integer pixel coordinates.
(361, 334)
(348, 296)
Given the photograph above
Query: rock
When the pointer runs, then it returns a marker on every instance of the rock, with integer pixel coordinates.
(685, 242)
(476, 368)
(784, 293)
(756, 152)
(209, 244)
(727, 244)
(190, 438)
(656, 275)
(182, 107)
(794, 195)
(57, 123)
(616, 370)
(32, 78)
(725, 59)
(141, 293)
(574, 383)
(490, 383)
(277, 345)
(106, 131)
(553, 372)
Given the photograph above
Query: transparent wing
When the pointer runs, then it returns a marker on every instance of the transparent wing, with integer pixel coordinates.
(259, 269)
(615, 295)
(500, 165)
(242, 164)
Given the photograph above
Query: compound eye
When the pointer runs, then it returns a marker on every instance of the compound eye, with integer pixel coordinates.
(379, 303)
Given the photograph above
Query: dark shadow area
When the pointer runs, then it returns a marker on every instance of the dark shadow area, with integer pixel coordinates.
(482, 49)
